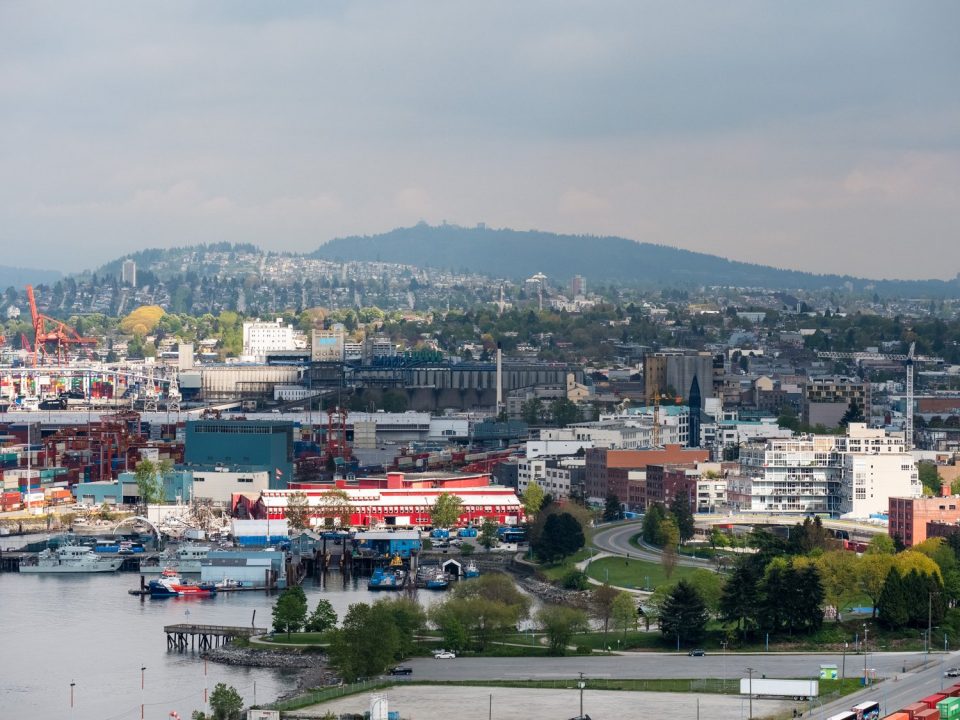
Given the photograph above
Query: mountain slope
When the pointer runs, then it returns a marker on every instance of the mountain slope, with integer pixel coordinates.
(515, 254)
(20, 277)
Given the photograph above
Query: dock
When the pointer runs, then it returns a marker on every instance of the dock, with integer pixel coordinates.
(205, 637)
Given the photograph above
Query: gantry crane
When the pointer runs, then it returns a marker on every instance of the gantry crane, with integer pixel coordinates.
(908, 360)
(60, 335)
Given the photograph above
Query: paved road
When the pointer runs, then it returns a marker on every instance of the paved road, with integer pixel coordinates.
(663, 665)
(616, 540)
(897, 689)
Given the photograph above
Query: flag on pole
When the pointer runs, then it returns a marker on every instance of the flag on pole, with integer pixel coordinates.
(278, 472)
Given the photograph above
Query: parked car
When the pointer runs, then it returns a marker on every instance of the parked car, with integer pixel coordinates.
(951, 672)
(401, 670)
(445, 655)
(696, 653)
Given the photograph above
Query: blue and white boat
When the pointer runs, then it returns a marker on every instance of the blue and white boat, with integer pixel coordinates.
(387, 579)
(437, 580)
(471, 570)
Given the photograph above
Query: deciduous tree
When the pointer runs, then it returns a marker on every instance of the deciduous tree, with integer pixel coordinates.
(560, 623)
(670, 537)
(601, 605)
(366, 643)
(446, 510)
(532, 499)
(298, 510)
(624, 612)
(290, 611)
(323, 617)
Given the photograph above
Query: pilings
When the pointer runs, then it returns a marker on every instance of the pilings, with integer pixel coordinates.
(185, 637)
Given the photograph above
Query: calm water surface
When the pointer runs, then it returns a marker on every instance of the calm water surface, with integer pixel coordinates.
(88, 630)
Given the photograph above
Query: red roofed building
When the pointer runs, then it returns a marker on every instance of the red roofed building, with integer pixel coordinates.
(398, 501)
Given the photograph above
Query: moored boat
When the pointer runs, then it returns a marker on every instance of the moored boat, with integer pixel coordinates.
(72, 559)
(471, 570)
(186, 560)
(437, 580)
(387, 579)
(172, 585)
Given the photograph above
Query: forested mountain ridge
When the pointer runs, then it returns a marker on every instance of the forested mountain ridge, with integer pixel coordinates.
(519, 254)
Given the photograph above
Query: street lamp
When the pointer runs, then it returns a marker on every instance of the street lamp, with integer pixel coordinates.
(72, 684)
(581, 685)
(865, 683)
(843, 668)
(723, 644)
(143, 670)
(750, 691)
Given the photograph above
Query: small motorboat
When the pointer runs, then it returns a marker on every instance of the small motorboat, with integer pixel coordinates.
(471, 570)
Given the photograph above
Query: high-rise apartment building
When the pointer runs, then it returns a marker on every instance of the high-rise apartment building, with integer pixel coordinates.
(128, 273)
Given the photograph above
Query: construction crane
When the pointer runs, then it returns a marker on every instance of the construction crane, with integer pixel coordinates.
(908, 360)
(60, 334)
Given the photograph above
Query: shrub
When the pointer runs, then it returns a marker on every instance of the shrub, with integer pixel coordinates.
(575, 580)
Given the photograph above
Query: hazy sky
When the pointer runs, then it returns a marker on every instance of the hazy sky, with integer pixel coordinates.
(823, 136)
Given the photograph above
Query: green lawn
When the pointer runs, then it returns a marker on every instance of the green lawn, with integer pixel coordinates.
(302, 638)
(555, 572)
(631, 573)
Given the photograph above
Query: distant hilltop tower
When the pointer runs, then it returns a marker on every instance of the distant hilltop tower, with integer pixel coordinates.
(128, 273)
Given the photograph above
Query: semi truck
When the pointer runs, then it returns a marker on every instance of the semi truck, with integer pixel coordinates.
(771, 687)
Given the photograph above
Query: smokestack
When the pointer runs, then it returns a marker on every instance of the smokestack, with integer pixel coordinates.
(499, 377)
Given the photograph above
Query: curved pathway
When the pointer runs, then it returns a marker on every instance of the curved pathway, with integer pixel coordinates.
(615, 540)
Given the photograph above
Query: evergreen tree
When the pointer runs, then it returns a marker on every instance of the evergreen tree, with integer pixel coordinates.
(562, 536)
(893, 606)
(680, 509)
(683, 615)
(651, 524)
(915, 587)
(740, 601)
(774, 590)
(809, 592)
(611, 510)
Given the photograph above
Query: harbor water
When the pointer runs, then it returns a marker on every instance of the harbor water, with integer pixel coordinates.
(88, 632)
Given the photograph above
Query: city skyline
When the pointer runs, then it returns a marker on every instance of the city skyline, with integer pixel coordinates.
(819, 138)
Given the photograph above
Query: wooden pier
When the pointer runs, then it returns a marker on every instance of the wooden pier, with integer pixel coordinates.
(204, 637)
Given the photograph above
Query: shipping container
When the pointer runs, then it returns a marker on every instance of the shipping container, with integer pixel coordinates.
(932, 714)
(949, 708)
(913, 708)
(931, 700)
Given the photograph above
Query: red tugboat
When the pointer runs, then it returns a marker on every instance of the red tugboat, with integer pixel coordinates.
(170, 585)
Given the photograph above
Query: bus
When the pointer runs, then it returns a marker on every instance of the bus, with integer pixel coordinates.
(869, 710)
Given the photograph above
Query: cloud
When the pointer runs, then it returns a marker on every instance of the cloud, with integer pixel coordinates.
(578, 202)
(774, 134)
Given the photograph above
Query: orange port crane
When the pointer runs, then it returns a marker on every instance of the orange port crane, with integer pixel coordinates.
(59, 334)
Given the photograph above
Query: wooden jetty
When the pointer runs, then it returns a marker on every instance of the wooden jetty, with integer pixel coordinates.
(205, 637)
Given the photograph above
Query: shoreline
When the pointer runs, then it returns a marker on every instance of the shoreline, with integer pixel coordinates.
(311, 669)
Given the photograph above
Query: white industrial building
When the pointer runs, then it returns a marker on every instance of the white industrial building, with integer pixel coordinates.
(261, 338)
(218, 483)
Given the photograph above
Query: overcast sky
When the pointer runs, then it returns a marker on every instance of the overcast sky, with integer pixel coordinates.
(823, 136)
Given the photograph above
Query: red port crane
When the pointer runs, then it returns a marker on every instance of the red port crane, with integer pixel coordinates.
(59, 334)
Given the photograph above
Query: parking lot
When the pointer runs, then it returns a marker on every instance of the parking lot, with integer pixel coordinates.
(426, 702)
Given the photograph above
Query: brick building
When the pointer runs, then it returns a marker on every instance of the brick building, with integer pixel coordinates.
(608, 470)
(910, 517)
